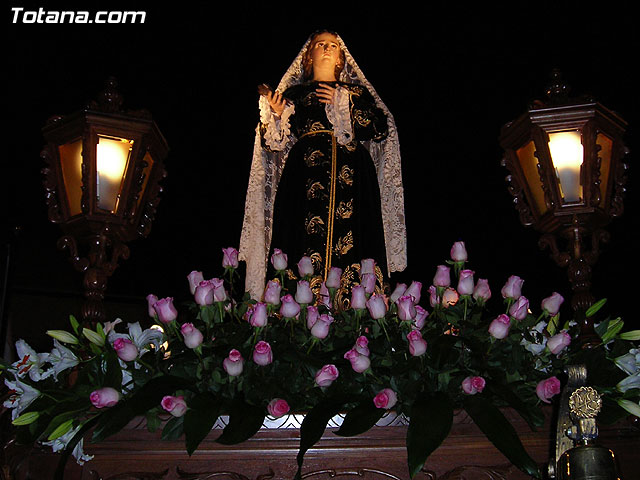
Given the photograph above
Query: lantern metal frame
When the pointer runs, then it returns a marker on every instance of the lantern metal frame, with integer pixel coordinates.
(572, 231)
(103, 234)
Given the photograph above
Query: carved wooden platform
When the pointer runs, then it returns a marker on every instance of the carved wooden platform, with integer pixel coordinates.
(380, 454)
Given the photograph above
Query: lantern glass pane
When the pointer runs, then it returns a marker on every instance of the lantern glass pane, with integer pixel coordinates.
(112, 157)
(529, 166)
(148, 159)
(606, 147)
(71, 161)
(567, 154)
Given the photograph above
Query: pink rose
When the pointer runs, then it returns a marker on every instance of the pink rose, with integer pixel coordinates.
(192, 336)
(385, 398)
(334, 277)
(459, 252)
(417, 345)
(368, 281)
(320, 328)
(278, 407)
(499, 327)
(234, 363)
(176, 406)
(165, 310)
(520, 308)
(442, 277)
(358, 297)
(421, 317)
(151, 300)
(209, 291)
(194, 279)
(104, 397)
(547, 389)
(258, 316)
(433, 296)
(362, 345)
(279, 260)
(304, 294)
(465, 282)
(414, 291)
(272, 292)
(229, 258)
(513, 287)
(377, 307)
(125, 349)
(262, 354)
(473, 385)
(359, 362)
(558, 342)
(326, 375)
(305, 267)
(398, 292)
(367, 265)
(312, 316)
(406, 308)
(482, 292)
(324, 296)
(450, 297)
(551, 305)
(219, 292)
(289, 308)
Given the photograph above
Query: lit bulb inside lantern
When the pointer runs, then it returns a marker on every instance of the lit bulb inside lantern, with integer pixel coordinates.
(567, 154)
(112, 158)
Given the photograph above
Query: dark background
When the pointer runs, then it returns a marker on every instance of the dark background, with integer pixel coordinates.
(451, 76)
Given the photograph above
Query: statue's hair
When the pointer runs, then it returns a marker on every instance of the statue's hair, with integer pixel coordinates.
(307, 65)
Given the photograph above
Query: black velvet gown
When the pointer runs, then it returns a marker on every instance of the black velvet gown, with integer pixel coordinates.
(328, 200)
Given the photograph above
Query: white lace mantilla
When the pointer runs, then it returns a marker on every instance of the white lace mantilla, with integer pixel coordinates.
(266, 169)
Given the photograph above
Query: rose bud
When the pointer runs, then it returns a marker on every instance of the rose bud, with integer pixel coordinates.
(326, 375)
(204, 293)
(165, 310)
(279, 260)
(547, 389)
(277, 407)
(125, 349)
(368, 281)
(320, 328)
(473, 385)
(558, 342)
(233, 363)
(258, 316)
(551, 305)
(334, 277)
(459, 252)
(368, 265)
(398, 292)
(262, 354)
(358, 297)
(305, 267)
(421, 317)
(359, 362)
(520, 308)
(192, 336)
(386, 398)
(442, 277)
(219, 292)
(176, 406)
(289, 308)
(104, 397)
(482, 292)
(312, 316)
(194, 279)
(151, 300)
(433, 296)
(324, 296)
(377, 307)
(362, 345)
(465, 282)
(500, 326)
(406, 308)
(415, 291)
(304, 294)
(417, 344)
(272, 292)
(513, 287)
(229, 258)
(449, 297)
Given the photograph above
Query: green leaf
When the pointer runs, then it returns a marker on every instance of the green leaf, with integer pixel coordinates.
(501, 433)
(442, 351)
(360, 419)
(530, 414)
(60, 430)
(26, 418)
(204, 410)
(173, 429)
(430, 422)
(244, 421)
(593, 309)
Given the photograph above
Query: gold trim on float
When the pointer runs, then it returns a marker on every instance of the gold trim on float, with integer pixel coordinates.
(332, 207)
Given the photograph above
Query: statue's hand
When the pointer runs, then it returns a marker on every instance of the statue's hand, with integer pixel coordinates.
(277, 102)
(326, 93)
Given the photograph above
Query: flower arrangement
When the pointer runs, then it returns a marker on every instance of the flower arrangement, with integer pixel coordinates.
(220, 354)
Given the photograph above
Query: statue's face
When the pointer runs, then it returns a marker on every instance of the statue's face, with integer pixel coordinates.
(325, 51)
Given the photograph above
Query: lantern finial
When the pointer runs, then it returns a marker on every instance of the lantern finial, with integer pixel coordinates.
(557, 90)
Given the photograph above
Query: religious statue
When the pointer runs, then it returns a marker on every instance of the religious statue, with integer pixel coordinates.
(325, 180)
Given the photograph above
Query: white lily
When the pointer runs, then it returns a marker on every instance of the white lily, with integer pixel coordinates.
(630, 362)
(30, 362)
(61, 443)
(632, 407)
(632, 381)
(140, 338)
(21, 396)
(61, 358)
